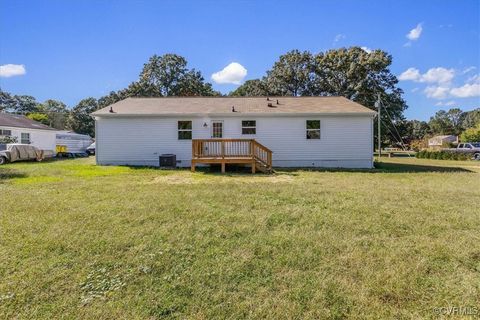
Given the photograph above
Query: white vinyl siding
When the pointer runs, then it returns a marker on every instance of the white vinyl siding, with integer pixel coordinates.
(346, 141)
(42, 139)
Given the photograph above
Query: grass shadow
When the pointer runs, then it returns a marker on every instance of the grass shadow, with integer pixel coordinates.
(403, 168)
(379, 167)
(7, 173)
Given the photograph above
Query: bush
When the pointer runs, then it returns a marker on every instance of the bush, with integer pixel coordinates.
(471, 135)
(443, 155)
(420, 154)
(8, 139)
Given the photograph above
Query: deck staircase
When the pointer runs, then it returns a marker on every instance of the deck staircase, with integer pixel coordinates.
(232, 151)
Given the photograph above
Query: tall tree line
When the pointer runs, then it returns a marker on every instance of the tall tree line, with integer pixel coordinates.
(161, 76)
(350, 72)
(354, 73)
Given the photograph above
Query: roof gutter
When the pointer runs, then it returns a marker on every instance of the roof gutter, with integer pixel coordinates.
(231, 114)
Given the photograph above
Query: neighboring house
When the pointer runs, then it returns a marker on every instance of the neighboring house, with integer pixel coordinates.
(27, 131)
(301, 131)
(441, 141)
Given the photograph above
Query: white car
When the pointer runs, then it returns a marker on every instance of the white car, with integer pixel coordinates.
(91, 149)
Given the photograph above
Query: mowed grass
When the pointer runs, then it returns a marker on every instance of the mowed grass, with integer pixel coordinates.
(88, 242)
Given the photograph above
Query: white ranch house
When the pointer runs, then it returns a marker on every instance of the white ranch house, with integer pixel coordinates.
(300, 131)
(27, 131)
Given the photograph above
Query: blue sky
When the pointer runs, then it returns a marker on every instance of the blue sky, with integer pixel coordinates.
(69, 50)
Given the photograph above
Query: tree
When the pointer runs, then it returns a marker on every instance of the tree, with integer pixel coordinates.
(7, 102)
(56, 112)
(447, 122)
(25, 104)
(440, 123)
(455, 116)
(39, 117)
(471, 135)
(414, 129)
(291, 74)
(251, 88)
(353, 73)
(168, 75)
(193, 84)
(80, 119)
(470, 119)
(16, 103)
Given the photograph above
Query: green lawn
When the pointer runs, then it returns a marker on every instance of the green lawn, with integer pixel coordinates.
(80, 241)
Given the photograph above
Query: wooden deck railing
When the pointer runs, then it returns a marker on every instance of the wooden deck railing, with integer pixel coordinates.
(230, 151)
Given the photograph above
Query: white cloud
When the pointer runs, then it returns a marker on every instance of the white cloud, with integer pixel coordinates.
(436, 92)
(11, 70)
(469, 69)
(450, 103)
(339, 37)
(234, 73)
(474, 79)
(438, 75)
(468, 90)
(434, 75)
(415, 33)
(445, 26)
(412, 74)
(366, 49)
(442, 88)
(414, 90)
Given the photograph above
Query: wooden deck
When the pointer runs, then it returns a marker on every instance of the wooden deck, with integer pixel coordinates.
(231, 151)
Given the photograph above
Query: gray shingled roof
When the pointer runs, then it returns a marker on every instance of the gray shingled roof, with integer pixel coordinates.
(15, 120)
(245, 105)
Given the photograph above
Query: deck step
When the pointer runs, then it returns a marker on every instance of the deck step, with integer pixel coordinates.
(263, 167)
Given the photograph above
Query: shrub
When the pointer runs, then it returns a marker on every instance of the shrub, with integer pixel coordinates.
(463, 156)
(8, 139)
(419, 144)
(443, 155)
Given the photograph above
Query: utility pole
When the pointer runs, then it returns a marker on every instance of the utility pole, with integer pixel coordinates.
(378, 104)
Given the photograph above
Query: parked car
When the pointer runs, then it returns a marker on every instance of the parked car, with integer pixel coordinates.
(91, 149)
(18, 152)
(468, 147)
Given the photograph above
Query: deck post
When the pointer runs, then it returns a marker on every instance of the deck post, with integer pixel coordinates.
(192, 166)
(223, 167)
(253, 166)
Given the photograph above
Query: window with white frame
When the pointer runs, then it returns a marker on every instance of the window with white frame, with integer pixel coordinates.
(5, 133)
(184, 130)
(25, 138)
(313, 129)
(249, 127)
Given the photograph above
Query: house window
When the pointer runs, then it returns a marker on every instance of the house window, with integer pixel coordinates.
(313, 129)
(249, 127)
(5, 132)
(184, 130)
(25, 138)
